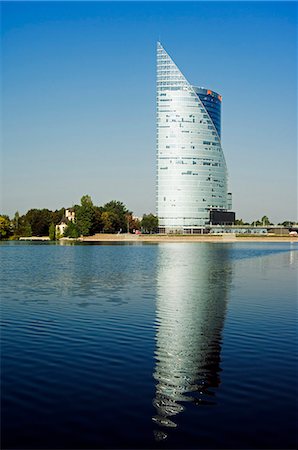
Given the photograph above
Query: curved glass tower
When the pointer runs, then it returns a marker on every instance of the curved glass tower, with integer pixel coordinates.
(191, 168)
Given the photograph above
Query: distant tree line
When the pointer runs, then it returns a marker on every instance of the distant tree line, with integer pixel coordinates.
(113, 217)
(36, 222)
(265, 222)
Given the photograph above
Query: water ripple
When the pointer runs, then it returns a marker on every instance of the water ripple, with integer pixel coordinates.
(149, 346)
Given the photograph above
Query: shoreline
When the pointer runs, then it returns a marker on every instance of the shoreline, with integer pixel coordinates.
(155, 238)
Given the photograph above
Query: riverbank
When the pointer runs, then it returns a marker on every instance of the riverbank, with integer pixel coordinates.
(155, 238)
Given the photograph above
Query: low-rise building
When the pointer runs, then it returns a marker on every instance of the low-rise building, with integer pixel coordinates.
(68, 217)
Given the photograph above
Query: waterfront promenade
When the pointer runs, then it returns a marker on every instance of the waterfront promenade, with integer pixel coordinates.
(154, 238)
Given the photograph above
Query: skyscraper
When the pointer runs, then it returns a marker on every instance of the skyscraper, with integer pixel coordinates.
(191, 168)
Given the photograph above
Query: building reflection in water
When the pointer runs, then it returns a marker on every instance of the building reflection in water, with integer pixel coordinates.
(192, 290)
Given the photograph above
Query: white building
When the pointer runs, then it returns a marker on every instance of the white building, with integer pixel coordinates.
(68, 217)
(191, 169)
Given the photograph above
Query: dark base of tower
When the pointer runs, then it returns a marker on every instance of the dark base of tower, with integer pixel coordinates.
(201, 230)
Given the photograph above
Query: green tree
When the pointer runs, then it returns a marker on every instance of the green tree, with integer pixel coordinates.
(5, 228)
(39, 221)
(97, 224)
(149, 223)
(120, 214)
(241, 222)
(25, 229)
(85, 215)
(57, 215)
(52, 232)
(110, 221)
(20, 226)
(265, 221)
(287, 223)
(72, 230)
(16, 224)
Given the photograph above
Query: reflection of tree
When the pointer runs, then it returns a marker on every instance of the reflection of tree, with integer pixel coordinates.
(192, 291)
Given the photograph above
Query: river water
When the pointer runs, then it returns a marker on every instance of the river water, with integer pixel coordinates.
(174, 345)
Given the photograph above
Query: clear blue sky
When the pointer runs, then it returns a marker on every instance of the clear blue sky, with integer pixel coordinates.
(78, 97)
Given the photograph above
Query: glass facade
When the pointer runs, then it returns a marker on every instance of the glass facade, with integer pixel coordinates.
(191, 168)
(212, 102)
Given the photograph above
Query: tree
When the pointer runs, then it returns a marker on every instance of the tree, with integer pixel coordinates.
(72, 230)
(287, 223)
(265, 221)
(25, 228)
(16, 223)
(262, 222)
(85, 215)
(39, 221)
(256, 223)
(20, 226)
(240, 222)
(57, 215)
(97, 224)
(4, 227)
(134, 224)
(110, 221)
(117, 207)
(120, 211)
(149, 223)
(52, 232)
